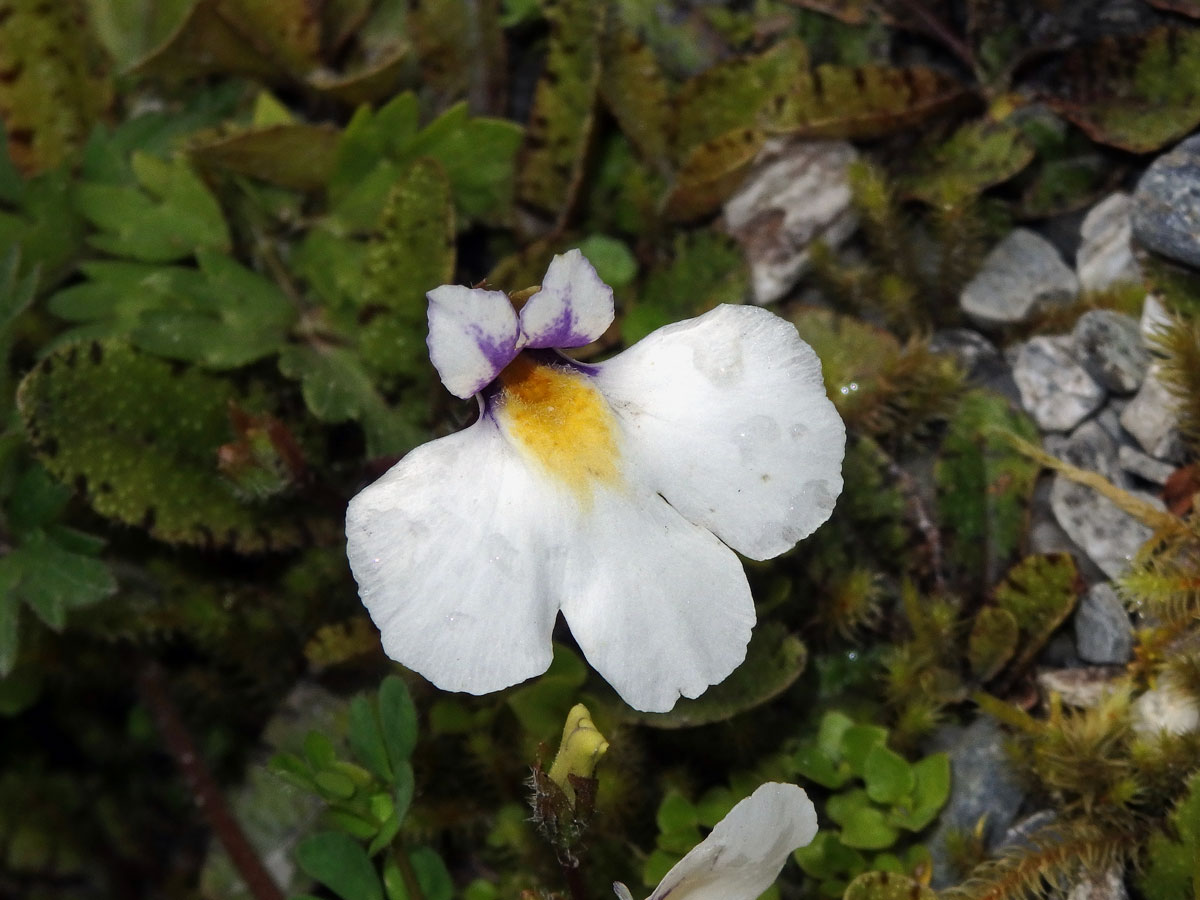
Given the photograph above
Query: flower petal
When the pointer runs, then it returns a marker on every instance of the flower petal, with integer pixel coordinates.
(742, 856)
(573, 308)
(449, 551)
(472, 336)
(659, 606)
(727, 416)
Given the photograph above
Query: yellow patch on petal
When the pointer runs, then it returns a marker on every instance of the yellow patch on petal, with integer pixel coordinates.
(558, 418)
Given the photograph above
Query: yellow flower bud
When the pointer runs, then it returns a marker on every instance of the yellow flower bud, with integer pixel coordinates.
(581, 748)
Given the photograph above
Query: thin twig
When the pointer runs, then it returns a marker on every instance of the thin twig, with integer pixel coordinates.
(941, 31)
(574, 878)
(924, 522)
(206, 793)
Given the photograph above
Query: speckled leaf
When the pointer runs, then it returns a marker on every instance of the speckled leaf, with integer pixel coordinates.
(291, 155)
(992, 642)
(977, 156)
(171, 217)
(983, 484)
(138, 439)
(774, 660)
(444, 34)
(1136, 93)
(53, 86)
(711, 172)
(887, 886)
(737, 95)
(560, 124)
(636, 93)
(865, 101)
(1040, 591)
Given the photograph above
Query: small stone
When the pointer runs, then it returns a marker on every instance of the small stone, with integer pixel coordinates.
(1103, 632)
(1155, 319)
(1145, 467)
(1109, 346)
(1109, 536)
(797, 193)
(1151, 417)
(1166, 204)
(1109, 419)
(1021, 276)
(983, 785)
(1106, 885)
(1055, 389)
(977, 355)
(1082, 687)
(1166, 708)
(1105, 255)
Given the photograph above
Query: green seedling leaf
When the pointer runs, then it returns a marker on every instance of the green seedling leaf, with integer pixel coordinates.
(1040, 592)
(614, 261)
(433, 879)
(366, 738)
(676, 813)
(932, 789)
(172, 216)
(830, 732)
(706, 269)
(774, 660)
(560, 124)
(887, 886)
(867, 828)
(715, 805)
(812, 763)
(404, 787)
(338, 862)
(992, 642)
(888, 776)
(55, 85)
(139, 440)
(984, 485)
(294, 770)
(541, 707)
(828, 857)
(1137, 93)
(978, 155)
(397, 719)
(320, 750)
(297, 156)
(334, 785)
(857, 743)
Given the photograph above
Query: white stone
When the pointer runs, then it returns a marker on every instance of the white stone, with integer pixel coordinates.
(1155, 319)
(1055, 388)
(1166, 708)
(1105, 254)
(1143, 465)
(1152, 418)
(1021, 276)
(798, 192)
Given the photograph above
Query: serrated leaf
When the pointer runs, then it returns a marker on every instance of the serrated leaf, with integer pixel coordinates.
(446, 34)
(338, 862)
(635, 91)
(712, 171)
(45, 225)
(54, 580)
(171, 217)
(1136, 92)
(1040, 591)
(560, 123)
(139, 439)
(292, 155)
(978, 155)
(992, 642)
(55, 85)
(984, 485)
(774, 660)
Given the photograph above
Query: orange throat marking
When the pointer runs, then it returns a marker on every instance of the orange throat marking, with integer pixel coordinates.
(557, 419)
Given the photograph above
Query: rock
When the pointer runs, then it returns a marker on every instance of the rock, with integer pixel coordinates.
(1055, 389)
(1166, 708)
(1109, 418)
(1109, 346)
(1145, 467)
(1103, 631)
(1152, 419)
(1106, 885)
(1166, 204)
(982, 785)
(1105, 255)
(1155, 319)
(977, 355)
(798, 192)
(1018, 837)
(1083, 687)
(1107, 535)
(1023, 275)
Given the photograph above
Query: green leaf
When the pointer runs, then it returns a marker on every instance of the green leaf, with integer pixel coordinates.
(992, 642)
(1172, 870)
(292, 155)
(857, 743)
(397, 720)
(339, 863)
(830, 732)
(676, 813)
(867, 828)
(774, 660)
(563, 114)
(55, 580)
(366, 738)
(978, 155)
(636, 92)
(828, 857)
(1040, 591)
(36, 500)
(1135, 92)
(139, 440)
(886, 886)
(888, 775)
(614, 261)
(432, 877)
(171, 217)
(21, 689)
(10, 614)
(930, 794)
(334, 785)
(541, 707)
(812, 763)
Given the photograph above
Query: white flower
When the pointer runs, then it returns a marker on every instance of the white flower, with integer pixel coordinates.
(613, 492)
(742, 856)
